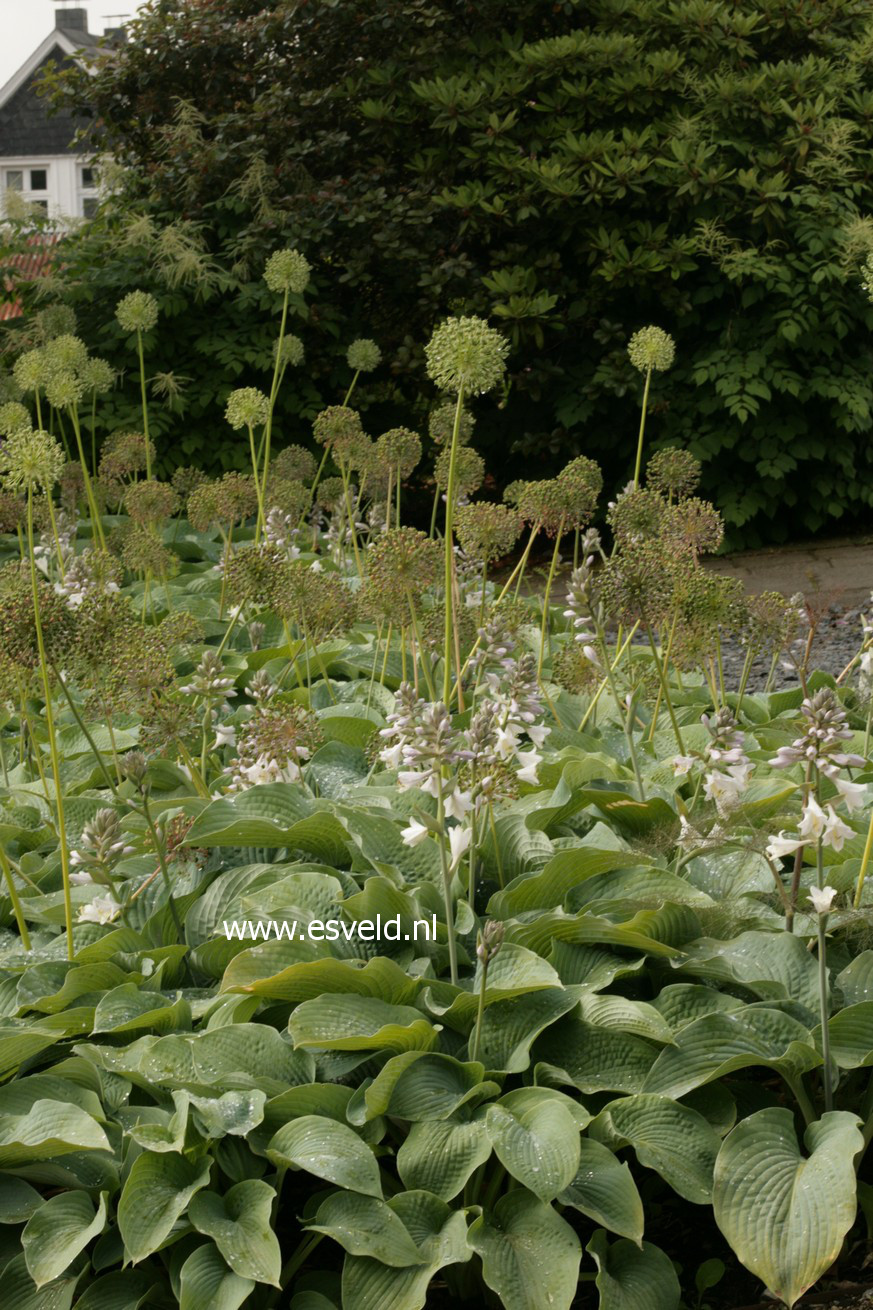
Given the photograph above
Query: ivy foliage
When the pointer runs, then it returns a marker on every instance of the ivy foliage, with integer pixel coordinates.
(573, 171)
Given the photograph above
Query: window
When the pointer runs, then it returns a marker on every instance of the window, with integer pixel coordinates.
(14, 179)
(89, 206)
(40, 204)
(90, 180)
(39, 179)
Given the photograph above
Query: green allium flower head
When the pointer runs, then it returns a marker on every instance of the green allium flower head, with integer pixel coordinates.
(55, 321)
(30, 458)
(30, 370)
(295, 462)
(487, 531)
(363, 355)
(639, 583)
(186, 478)
(247, 407)
(12, 417)
(329, 493)
(292, 351)
(637, 515)
(137, 312)
(12, 511)
(97, 375)
(64, 390)
(289, 495)
(469, 470)
(651, 348)
(150, 503)
(66, 354)
(441, 425)
(143, 552)
(338, 427)
(465, 354)
(123, 453)
(231, 499)
(673, 472)
(287, 270)
(695, 524)
(318, 603)
(401, 564)
(400, 448)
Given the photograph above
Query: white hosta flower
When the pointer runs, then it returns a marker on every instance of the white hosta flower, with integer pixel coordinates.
(414, 834)
(225, 735)
(724, 789)
(102, 909)
(459, 841)
(822, 898)
(782, 844)
(458, 805)
(814, 820)
(506, 742)
(316, 566)
(529, 761)
(835, 831)
(411, 780)
(853, 794)
(538, 733)
(392, 755)
(682, 765)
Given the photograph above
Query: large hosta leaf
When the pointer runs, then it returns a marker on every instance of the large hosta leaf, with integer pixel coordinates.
(785, 1214)
(633, 1278)
(717, 1044)
(48, 1129)
(206, 1283)
(61, 1228)
(239, 1224)
(605, 1191)
(364, 1225)
(440, 1156)
(156, 1193)
(420, 1085)
(536, 1141)
(360, 1023)
(440, 1234)
(530, 1255)
(328, 1149)
(668, 1137)
(771, 965)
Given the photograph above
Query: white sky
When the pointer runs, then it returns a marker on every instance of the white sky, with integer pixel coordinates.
(24, 24)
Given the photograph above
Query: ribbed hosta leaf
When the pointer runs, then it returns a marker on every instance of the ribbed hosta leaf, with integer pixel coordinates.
(364, 1225)
(624, 1015)
(510, 1027)
(61, 1228)
(421, 1085)
(530, 1255)
(239, 1224)
(670, 1138)
(851, 1033)
(771, 965)
(596, 1059)
(682, 1003)
(262, 972)
(784, 1213)
(440, 1157)
(360, 1023)
(549, 887)
(633, 1278)
(259, 816)
(206, 1283)
(49, 1129)
(718, 1044)
(156, 1193)
(605, 1191)
(439, 1234)
(537, 1143)
(329, 1150)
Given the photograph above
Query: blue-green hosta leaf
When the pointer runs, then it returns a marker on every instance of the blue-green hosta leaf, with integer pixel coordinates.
(518, 850)
(851, 1033)
(591, 967)
(125, 1289)
(530, 1255)
(206, 1283)
(440, 1234)
(259, 816)
(563, 872)
(441, 1156)
(605, 1191)
(155, 1129)
(20, 1041)
(335, 768)
(246, 1055)
(510, 1027)
(633, 1278)
(718, 1044)
(360, 1023)
(261, 972)
(364, 1225)
(422, 1085)
(628, 811)
(19, 1289)
(329, 1150)
(674, 1140)
(128, 1009)
(18, 1200)
(726, 875)
(652, 932)
(61, 1228)
(156, 1193)
(327, 1099)
(856, 980)
(682, 1003)
(239, 1224)
(377, 838)
(785, 1214)
(232, 1114)
(537, 1142)
(350, 724)
(626, 1016)
(773, 966)
(514, 972)
(49, 1129)
(594, 1059)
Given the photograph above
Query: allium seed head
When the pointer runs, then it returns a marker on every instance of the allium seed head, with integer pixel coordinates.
(363, 355)
(465, 354)
(651, 348)
(287, 270)
(30, 458)
(137, 312)
(247, 407)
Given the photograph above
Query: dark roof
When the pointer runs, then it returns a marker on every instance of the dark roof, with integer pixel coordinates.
(26, 127)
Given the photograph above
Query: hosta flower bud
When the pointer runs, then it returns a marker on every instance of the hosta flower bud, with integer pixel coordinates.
(134, 766)
(287, 270)
(465, 354)
(490, 940)
(651, 348)
(137, 312)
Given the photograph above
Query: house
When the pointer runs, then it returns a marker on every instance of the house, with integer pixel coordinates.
(38, 156)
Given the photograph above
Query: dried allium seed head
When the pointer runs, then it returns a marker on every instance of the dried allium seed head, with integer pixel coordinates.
(674, 472)
(487, 531)
(339, 428)
(295, 462)
(247, 407)
(292, 351)
(694, 524)
(638, 514)
(465, 354)
(185, 479)
(150, 503)
(400, 448)
(363, 355)
(651, 348)
(287, 270)
(469, 470)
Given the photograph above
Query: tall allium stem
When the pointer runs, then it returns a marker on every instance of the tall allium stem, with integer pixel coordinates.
(449, 553)
(639, 462)
(50, 730)
(89, 489)
(259, 490)
(274, 392)
(865, 860)
(546, 626)
(17, 909)
(145, 405)
(662, 675)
